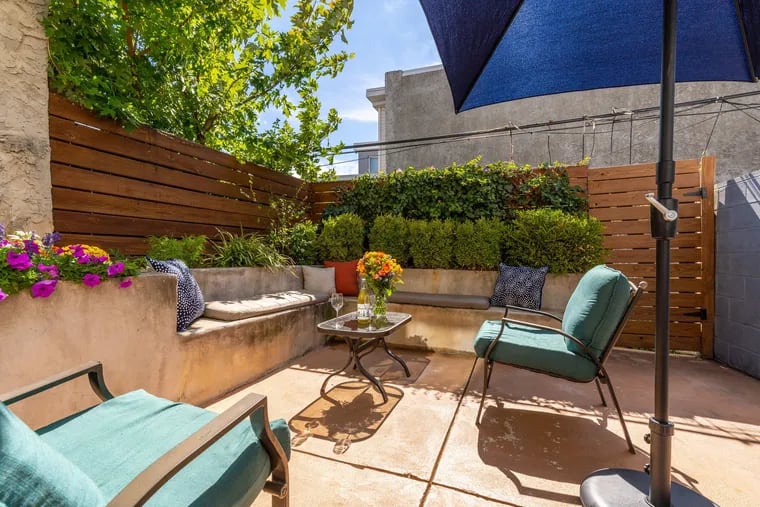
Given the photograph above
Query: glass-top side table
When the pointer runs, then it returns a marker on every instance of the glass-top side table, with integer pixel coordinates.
(363, 340)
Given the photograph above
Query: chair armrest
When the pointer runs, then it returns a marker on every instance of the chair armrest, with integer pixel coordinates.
(147, 482)
(539, 312)
(93, 369)
(590, 355)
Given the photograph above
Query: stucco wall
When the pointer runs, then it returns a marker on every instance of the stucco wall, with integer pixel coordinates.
(131, 331)
(418, 104)
(25, 200)
(737, 298)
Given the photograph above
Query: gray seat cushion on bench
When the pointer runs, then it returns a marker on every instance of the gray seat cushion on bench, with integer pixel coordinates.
(442, 300)
(262, 304)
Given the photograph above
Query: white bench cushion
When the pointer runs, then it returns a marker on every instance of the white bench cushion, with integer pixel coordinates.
(262, 304)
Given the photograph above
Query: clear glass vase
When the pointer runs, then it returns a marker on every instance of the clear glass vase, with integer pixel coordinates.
(379, 311)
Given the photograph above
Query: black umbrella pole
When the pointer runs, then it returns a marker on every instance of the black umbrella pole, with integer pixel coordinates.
(661, 430)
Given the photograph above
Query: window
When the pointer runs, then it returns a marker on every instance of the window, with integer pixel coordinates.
(373, 165)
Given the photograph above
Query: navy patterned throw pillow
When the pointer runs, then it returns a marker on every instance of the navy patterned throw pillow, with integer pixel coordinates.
(519, 286)
(190, 304)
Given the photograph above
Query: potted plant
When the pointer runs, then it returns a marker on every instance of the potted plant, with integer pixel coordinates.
(341, 243)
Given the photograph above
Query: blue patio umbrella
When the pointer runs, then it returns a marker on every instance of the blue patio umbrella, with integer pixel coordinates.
(500, 50)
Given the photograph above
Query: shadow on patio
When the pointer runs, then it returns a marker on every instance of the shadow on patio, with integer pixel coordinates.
(539, 438)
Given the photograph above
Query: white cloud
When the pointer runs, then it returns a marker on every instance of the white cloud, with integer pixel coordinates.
(393, 5)
(365, 114)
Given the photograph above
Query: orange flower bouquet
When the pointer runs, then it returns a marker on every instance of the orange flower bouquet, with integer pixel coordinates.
(383, 274)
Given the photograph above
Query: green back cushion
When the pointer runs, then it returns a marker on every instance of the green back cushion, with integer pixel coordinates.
(119, 438)
(596, 308)
(34, 474)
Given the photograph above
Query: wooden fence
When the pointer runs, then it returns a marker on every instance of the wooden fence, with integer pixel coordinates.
(113, 187)
(616, 198)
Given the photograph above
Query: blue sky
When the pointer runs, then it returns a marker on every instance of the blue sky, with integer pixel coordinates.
(387, 35)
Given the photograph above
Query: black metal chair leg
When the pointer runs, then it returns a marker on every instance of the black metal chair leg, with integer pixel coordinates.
(599, 389)
(620, 414)
(487, 368)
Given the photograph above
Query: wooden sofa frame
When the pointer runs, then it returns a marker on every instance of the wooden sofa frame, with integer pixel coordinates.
(146, 483)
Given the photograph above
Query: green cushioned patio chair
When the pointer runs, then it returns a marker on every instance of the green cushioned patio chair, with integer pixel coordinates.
(593, 320)
(137, 449)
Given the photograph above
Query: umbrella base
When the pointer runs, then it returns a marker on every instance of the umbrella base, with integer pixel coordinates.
(620, 487)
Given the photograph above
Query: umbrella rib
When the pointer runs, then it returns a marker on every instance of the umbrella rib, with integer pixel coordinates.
(745, 41)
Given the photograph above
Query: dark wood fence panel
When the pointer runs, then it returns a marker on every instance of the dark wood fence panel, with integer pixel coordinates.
(114, 187)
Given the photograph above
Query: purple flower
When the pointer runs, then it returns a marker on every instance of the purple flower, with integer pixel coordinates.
(115, 269)
(102, 259)
(43, 288)
(18, 260)
(91, 280)
(3, 295)
(31, 247)
(77, 251)
(126, 283)
(52, 270)
(50, 239)
(82, 259)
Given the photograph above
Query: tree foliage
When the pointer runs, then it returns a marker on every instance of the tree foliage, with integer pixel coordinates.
(206, 70)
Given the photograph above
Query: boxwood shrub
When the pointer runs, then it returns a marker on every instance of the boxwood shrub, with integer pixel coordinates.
(342, 238)
(431, 243)
(567, 243)
(477, 245)
(390, 234)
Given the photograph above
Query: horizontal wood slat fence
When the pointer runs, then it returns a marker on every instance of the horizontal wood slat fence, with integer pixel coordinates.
(113, 188)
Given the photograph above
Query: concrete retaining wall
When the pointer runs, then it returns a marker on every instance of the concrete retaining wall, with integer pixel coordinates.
(133, 333)
(737, 293)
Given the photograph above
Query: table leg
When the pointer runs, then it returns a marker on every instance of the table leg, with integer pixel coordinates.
(397, 358)
(351, 359)
(372, 379)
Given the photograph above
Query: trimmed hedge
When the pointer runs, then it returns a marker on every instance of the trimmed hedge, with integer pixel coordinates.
(478, 245)
(390, 234)
(430, 243)
(342, 238)
(564, 242)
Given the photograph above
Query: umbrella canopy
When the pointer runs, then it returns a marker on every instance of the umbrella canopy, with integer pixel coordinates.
(499, 50)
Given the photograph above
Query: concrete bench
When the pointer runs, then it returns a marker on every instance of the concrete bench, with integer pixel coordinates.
(256, 320)
(449, 306)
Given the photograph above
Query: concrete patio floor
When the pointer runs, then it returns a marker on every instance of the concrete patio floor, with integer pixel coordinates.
(539, 438)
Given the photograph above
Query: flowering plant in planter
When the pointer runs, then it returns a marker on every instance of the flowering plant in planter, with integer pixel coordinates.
(30, 261)
(382, 273)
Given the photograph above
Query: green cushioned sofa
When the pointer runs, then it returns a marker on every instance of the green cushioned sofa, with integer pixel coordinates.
(137, 449)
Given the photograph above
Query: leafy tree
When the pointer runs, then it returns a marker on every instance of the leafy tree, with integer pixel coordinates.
(206, 70)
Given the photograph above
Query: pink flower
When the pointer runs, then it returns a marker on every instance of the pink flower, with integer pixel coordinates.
(91, 280)
(18, 261)
(43, 288)
(115, 269)
(3, 295)
(82, 259)
(126, 283)
(51, 270)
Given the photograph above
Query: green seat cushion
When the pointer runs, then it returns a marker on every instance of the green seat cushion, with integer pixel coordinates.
(33, 474)
(116, 440)
(530, 347)
(595, 308)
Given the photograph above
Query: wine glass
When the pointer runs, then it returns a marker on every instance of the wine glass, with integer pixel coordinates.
(336, 300)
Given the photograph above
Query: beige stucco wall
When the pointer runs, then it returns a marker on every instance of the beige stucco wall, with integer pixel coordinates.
(133, 333)
(25, 197)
